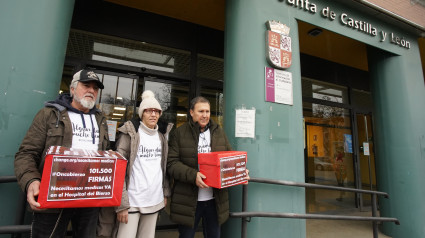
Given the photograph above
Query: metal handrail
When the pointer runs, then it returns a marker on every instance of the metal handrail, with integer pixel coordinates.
(8, 179)
(317, 186)
(313, 216)
(244, 214)
(15, 229)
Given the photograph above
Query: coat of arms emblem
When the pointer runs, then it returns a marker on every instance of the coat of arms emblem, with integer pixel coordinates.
(279, 52)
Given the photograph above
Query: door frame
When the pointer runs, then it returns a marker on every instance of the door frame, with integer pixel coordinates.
(356, 149)
(354, 110)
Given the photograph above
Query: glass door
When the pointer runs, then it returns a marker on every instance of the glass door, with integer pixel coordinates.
(366, 157)
(172, 96)
(118, 99)
(329, 157)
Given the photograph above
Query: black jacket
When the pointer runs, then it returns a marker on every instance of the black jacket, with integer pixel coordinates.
(182, 166)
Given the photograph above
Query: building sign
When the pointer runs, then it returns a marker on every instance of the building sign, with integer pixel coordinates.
(346, 20)
(279, 52)
(279, 86)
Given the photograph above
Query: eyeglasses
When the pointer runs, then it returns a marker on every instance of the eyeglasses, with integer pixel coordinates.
(150, 111)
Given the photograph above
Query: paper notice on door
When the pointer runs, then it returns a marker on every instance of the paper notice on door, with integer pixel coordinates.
(112, 129)
(366, 148)
(245, 123)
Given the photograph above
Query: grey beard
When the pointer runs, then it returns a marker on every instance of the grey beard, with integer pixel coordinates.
(85, 103)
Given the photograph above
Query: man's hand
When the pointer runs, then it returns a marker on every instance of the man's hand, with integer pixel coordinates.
(200, 180)
(122, 216)
(32, 192)
(247, 176)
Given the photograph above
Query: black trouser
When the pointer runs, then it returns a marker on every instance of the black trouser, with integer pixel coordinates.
(208, 212)
(84, 221)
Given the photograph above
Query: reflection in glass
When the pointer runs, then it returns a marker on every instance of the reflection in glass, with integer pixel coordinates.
(173, 99)
(117, 99)
(133, 57)
(108, 93)
(93, 46)
(327, 115)
(210, 67)
(329, 156)
(362, 99)
(125, 91)
(324, 91)
(215, 96)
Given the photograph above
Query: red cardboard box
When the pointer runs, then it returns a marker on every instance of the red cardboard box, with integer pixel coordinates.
(223, 168)
(81, 178)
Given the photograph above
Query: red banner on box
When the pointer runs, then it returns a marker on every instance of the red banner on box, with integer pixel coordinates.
(223, 168)
(81, 178)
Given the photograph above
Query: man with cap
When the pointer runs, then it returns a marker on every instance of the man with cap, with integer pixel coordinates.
(72, 120)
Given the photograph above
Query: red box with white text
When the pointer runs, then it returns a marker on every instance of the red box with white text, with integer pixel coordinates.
(81, 178)
(223, 168)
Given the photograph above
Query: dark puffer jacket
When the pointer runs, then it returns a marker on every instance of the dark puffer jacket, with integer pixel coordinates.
(182, 167)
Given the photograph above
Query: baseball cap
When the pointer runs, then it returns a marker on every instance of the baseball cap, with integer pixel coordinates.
(87, 76)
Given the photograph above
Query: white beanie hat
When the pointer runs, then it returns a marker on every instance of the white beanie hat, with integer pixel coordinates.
(148, 101)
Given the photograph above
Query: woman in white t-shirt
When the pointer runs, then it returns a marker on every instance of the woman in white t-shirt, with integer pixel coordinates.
(146, 186)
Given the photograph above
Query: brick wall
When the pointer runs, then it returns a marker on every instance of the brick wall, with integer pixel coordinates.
(413, 10)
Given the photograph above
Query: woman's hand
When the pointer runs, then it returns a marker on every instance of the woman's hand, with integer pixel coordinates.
(122, 216)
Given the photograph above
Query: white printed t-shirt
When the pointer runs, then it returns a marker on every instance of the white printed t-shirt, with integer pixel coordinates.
(204, 146)
(145, 187)
(83, 126)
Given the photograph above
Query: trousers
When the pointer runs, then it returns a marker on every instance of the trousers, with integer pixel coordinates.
(208, 212)
(83, 220)
(139, 225)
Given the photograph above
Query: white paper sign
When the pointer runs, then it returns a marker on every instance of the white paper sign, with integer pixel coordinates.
(366, 148)
(112, 129)
(245, 123)
(283, 87)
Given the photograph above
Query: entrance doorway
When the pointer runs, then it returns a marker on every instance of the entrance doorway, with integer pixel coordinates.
(329, 157)
(337, 110)
(338, 146)
(138, 57)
